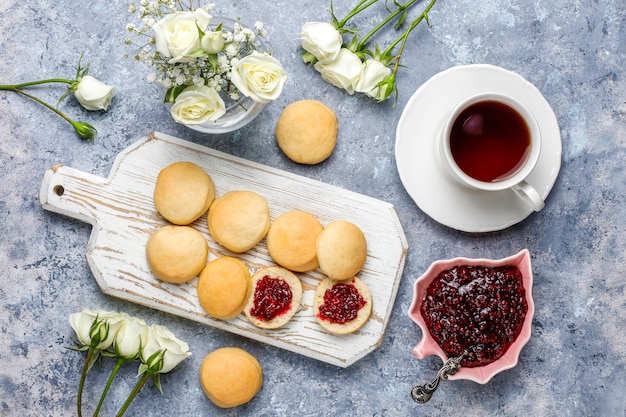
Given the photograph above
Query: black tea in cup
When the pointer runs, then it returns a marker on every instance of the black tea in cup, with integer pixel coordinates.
(490, 141)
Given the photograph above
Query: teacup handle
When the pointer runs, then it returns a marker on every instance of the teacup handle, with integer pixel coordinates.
(528, 193)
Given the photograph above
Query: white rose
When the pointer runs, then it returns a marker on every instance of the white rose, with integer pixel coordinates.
(259, 76)
(130, 337)
(93, 94)
(197, 104)
(177, 34)
(212, 42)
(160, 338)
(96, 327)
(372, 73)
(321, 39)
(344, 72)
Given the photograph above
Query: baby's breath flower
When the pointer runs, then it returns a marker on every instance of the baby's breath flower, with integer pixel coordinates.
(228, 37)
(148, 21)
(222, 61)
(231, 50)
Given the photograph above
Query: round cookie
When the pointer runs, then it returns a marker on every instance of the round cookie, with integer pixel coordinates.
(183, 192)
(291, 240)
(341, 249)
(238, 220)
(224, 287)
(306, 131)
(230, 376)
(176, 254)
(276, 296)
(342, 307)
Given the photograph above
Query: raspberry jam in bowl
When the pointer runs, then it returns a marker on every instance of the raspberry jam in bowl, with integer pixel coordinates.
(481, 306)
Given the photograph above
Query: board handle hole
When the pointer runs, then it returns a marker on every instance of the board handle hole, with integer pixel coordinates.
(59, 190)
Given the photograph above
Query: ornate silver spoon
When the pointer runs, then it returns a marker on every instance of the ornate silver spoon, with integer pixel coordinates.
(422, 393)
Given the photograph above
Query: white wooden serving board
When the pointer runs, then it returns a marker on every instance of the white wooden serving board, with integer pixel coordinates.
(123, 216)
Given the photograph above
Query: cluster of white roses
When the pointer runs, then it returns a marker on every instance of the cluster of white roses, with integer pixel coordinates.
(351, 65)
(107, 333)
(342, 67)
(200, 64)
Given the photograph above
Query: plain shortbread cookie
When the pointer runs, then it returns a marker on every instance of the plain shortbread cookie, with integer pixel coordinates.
(224, 286)
(176, 254)
(230, 376)
(183, 192)
(341, 249)
(291, 240)
(238, 220)
(306, 131)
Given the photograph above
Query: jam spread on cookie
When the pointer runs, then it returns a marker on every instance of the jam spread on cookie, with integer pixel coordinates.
(341, 304)
(272, 297)
(478, 308)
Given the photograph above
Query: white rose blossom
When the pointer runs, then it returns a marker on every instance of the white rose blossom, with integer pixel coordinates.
(95, 328)
(161, 339)
(320, 39)
(177, 35)
(130, 337)
(259, 76)
(197, 104)
(373, 72)
(93, 94)
(343, 72)
(212, 42)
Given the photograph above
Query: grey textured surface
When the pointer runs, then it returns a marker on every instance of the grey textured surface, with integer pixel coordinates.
(575, 362)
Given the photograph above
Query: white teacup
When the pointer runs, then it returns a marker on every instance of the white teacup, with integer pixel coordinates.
(492, 142)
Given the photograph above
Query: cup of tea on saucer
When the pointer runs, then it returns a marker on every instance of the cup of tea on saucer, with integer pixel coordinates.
(492, 142)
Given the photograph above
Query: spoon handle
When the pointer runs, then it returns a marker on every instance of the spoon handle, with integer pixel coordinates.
(422, 393)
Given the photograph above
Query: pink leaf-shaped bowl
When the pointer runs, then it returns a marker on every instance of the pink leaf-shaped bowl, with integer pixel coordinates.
(427, 346)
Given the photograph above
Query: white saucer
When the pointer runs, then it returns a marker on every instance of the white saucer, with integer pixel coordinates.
(434, 191)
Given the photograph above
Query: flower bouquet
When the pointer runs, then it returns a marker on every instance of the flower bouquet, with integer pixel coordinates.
(216, 73)
(127, 339)
(351, 64)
